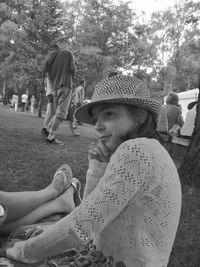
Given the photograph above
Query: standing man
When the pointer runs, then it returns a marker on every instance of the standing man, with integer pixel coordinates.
(24, 101)
(60, 68)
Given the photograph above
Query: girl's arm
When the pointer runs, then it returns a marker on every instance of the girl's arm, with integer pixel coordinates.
(98, 157)
(93, 176)
(125, 175)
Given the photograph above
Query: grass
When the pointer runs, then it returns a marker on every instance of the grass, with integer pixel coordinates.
(28, 163)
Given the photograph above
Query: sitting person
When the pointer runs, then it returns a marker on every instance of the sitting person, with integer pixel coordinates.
(188, 126)
(24, 208)
(170, 114)
(132, 197)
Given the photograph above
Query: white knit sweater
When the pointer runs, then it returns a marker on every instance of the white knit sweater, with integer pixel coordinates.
(131, 210)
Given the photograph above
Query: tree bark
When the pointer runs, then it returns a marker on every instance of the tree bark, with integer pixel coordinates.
(189, 170)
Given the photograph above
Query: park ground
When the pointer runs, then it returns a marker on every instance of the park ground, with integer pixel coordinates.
(28, 163)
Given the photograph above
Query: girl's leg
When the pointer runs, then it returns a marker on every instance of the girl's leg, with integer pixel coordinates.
(19, 204)
(62, 204)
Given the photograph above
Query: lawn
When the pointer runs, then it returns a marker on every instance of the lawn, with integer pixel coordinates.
(28, 163)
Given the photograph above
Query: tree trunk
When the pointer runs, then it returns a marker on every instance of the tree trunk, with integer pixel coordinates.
(189, 170)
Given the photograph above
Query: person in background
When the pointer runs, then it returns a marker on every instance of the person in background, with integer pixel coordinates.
(188, 126)
(33, 103)
(79, 96)
(132, 198)
(61, 69)
(24, 98)
(15, 100)
(70, 115)
(50, 112)
(170, 114)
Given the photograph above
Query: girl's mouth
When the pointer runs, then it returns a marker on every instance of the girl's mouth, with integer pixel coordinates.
(104, 138)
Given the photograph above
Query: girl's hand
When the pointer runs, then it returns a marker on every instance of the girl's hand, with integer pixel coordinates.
(3, 253)
(98, 152)
(8, 245)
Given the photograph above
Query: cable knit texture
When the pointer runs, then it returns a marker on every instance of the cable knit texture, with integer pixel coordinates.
(131, 211)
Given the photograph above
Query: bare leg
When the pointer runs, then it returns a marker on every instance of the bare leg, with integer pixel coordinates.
(19, 204)
(63, 204)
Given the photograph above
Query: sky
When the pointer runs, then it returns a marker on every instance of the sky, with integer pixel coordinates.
(149, 6)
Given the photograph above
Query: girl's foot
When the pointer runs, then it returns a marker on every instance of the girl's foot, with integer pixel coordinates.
(65, 202)
(62, 179)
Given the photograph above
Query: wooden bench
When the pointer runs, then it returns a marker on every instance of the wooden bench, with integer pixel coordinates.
(179, 147)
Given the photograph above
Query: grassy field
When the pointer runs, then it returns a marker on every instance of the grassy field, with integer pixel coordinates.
(28, 163)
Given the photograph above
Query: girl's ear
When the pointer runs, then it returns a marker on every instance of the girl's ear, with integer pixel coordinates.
(141, 115)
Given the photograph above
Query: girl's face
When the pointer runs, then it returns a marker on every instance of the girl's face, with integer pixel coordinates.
(115, 122)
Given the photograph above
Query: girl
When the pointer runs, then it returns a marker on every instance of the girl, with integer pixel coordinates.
(132, 198)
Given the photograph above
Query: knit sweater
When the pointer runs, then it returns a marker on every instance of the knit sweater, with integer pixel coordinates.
(131, 209)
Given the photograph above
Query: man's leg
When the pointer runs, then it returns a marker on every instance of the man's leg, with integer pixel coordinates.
(23, 105)
(64, 99)
(16, 106)
(50, 110)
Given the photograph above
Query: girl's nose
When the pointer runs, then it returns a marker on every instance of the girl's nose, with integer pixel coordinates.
(99, 125)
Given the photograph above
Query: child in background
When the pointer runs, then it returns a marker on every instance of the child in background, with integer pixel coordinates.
(132, 197)
(33, 103)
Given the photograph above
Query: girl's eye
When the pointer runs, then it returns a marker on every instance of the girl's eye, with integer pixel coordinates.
(94, 121)
(108, 114)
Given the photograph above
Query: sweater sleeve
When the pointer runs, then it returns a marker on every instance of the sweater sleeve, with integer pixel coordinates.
(95, 172)
(126, 176)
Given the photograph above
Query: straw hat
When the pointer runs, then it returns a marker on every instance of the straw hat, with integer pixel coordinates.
(120, 89)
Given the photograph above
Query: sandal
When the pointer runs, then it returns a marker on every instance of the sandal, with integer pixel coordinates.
(77, 186)
(66, 177)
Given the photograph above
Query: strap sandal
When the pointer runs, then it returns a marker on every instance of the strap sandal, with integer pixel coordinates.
(77, 196)
(66, 176)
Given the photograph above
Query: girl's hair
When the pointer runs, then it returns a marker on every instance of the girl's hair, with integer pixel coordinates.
(147, 129)
(172, 98)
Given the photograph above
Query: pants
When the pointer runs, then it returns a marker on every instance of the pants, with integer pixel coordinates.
(50, 112)
(62, 99)
(23, 106)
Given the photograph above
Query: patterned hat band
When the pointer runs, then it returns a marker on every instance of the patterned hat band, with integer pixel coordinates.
(120, 89)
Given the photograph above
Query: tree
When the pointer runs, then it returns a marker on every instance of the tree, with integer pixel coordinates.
(104, 38)
(190, 168)
(27, 31)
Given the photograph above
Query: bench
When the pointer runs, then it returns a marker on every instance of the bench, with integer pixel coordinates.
(179, 147)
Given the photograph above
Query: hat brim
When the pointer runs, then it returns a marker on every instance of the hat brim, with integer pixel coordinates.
(83, 113)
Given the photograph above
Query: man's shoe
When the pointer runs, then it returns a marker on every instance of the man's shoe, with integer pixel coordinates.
(44, 133)
(54, 141)
(75, 133)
